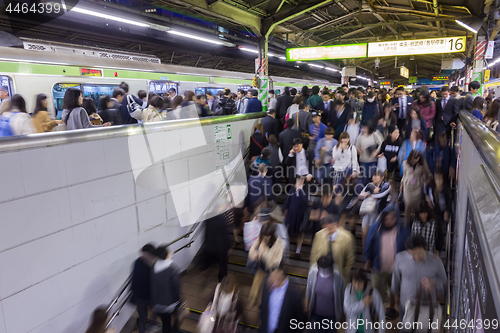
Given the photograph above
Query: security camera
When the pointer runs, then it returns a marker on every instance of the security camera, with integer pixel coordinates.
(377, 63)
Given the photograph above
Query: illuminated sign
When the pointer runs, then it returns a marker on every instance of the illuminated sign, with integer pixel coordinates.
(417, 46)
(440, 78)
(412, 79)
(385, 83)
(90, 72)
(404, 72)
(327, 52)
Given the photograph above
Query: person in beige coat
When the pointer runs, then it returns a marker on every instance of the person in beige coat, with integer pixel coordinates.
(415, 174)
(41, 119)
(151, 114)
(268, 253)
(335, 239)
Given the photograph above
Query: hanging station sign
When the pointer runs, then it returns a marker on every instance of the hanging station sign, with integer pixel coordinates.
(327, 52)
(417, 46)
(404, 72)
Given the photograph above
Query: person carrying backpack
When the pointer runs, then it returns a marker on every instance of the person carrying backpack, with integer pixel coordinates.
(227, 106)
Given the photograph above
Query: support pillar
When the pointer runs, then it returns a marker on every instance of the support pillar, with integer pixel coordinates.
(477, 71)
(263, 73)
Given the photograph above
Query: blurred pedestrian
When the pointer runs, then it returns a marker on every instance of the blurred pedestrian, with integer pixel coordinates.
(16, 120)
(74, 115)
(99, 321)
(41, 118)
(89, 106)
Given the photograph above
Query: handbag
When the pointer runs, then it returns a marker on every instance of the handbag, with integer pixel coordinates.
(134, 109)
(423, 312)
(382, 164)
(207, 319)
(251, 231)
(368, 206)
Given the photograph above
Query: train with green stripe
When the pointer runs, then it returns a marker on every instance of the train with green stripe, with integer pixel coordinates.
(29, 72)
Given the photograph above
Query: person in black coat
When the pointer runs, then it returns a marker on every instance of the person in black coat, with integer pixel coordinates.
(326, 108)
(282, 104)
(299, 162)
(125, 115)
(339, 117)
(140, 286)
(286, 138)
(281, 305)
(446, 112)
(165, 288)
(215, 248)
(401, 105)
(270, 124)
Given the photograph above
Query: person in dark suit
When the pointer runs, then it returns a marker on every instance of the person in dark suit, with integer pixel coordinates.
(401, 105)
(254, 105)
(339, 117)
(299, 161)
(446, 112)
(287, 136)
(282, 104)
(215, 248)
(270, 124)
(281, 305)
(326, 107)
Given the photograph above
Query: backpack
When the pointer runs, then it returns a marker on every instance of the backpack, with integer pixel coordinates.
(5, 129)
(133, 108)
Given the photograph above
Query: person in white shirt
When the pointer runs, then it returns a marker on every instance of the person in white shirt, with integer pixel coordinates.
(272, 100)
(16, 121)
(300, 160)
(345, 162)
(241, 103)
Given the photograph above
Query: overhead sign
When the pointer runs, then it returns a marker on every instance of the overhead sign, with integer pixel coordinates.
(327, 52)
(417, 46)
(90, 72)
(385, 83)
(404, 72)
(489, 50)
(440, 78)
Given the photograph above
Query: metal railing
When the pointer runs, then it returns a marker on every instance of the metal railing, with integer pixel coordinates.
(195, 230)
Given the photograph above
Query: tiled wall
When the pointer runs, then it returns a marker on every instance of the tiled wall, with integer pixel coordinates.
(72, 220)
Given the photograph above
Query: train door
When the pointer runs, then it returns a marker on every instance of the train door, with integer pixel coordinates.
(58, 91)
(6, 81)
(96, 91)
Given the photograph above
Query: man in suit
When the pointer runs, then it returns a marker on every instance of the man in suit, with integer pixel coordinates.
(339, 117)
(401, 105)
(212, 102)
(287, 136)
(282, 104)
(446, 112)
(281, 305)
(254, 105)
(299, 161)
(270, 124)
(326, 108)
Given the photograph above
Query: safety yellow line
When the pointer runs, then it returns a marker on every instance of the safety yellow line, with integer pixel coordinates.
(239, 323)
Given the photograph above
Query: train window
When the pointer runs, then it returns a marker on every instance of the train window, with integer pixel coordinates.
(214, 91)
(160, 87)
(6, 81)
(277, 92)
(58, 91)
(246, 88)
(200, 91)
(95, 91)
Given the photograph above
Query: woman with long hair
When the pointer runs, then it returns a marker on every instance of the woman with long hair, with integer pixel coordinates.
(491, 116)
(426, 107)
(415, 142)
(257, 141)
(16, 120)
(89, 106)
(415, 120)
(41, 118)
(478, 107)
(387, 119)
(415, 174)
(74, 115)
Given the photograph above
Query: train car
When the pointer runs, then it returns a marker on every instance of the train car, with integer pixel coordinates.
(493, 85)
(29, 73)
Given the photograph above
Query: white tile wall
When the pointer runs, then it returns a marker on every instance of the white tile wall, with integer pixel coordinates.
(152, 213)
(151, 182)
(43, 169)
(177, 172)
(95, 198)
(12, 178)
(164, 145)
(116, 155)
(84, 161)
(33, 217)
(178, 202)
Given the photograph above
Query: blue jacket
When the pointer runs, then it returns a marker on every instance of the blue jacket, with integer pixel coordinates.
(372, 244)
(404, 152)
(322, 129)
(321, 144)
(127, 119)
(254, 105)
(445, 154)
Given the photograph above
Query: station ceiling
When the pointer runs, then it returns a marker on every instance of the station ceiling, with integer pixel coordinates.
(244, 22)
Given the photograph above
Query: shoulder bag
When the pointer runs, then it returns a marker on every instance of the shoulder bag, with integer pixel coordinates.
(207, 319)
(420, 314)
(134, 109)
(368, 206)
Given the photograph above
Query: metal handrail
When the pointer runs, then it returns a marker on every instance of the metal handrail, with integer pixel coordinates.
(486, 141)
(188, 245)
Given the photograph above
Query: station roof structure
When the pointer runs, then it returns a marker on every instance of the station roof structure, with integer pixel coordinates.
(288, 23)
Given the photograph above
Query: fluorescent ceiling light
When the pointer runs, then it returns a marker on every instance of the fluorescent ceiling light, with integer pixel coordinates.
(473, 24)
(331, 69)
(282, 58)
(299, 62)
(108, 17)
(212, 41)
(317, 66)
(375, 81)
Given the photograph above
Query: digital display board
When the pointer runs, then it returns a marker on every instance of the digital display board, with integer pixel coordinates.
(385, 83)
(440, 78)
(90, 72)
(327, 52)
(404, 72)
(417, 46)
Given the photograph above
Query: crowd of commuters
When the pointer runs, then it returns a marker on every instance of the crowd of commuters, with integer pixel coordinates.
(382, 157)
